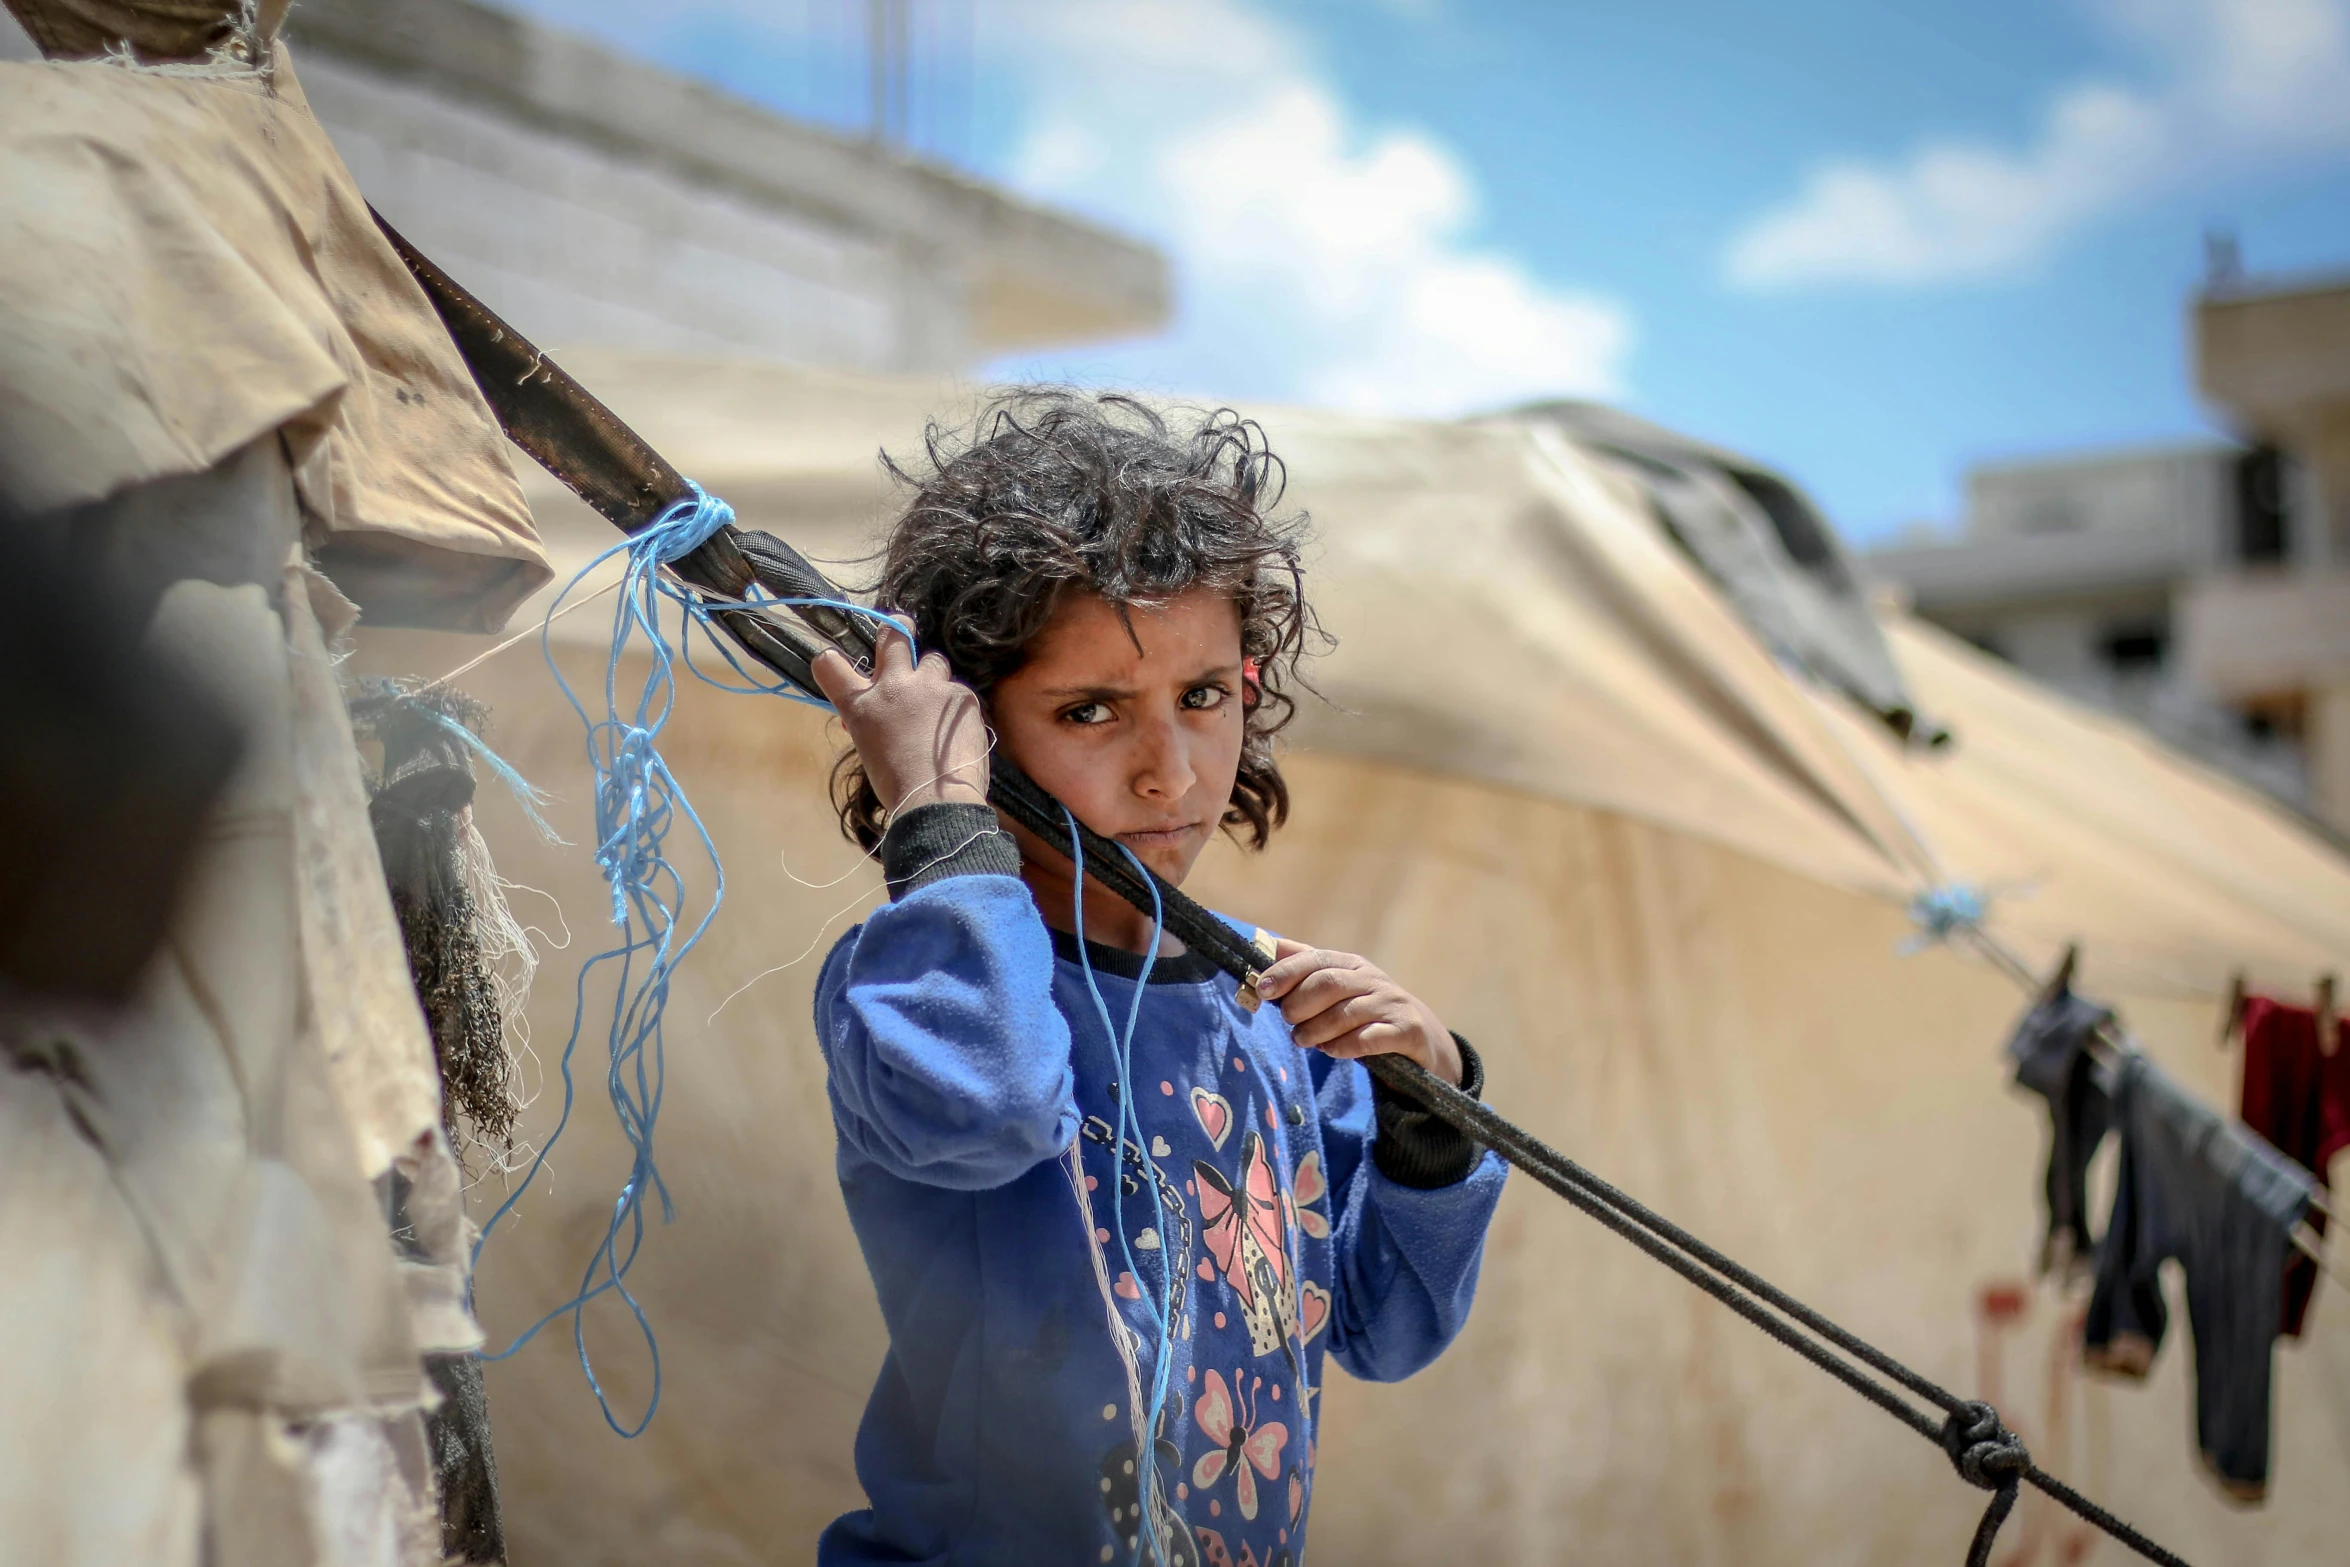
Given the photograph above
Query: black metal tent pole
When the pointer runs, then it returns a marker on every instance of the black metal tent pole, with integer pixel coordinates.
(582, 443)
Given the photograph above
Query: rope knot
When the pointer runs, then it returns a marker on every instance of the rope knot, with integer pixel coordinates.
(1946, 912)
(1983, 1451)
(1986, 1454)
(684, 525)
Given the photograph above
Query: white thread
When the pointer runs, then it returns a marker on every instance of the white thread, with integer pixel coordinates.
(816, 939)
(243, 55)
(518, 638)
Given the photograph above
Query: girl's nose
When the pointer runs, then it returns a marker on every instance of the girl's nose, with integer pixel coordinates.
(1163, 769)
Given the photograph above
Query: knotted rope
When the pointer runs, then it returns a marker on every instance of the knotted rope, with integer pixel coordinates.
(1944, 912)
(1979, 1446)
(582, 443)
(1985, 1453)
(1850, 1359)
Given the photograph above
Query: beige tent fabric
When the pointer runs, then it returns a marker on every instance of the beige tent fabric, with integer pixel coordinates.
(255, 1113)
(1504, 608)
(1507, 610)
(188, 266)
(216, 378)
(2090, 829)
(1564, 796)
(83, 1478)
(1736, 1043)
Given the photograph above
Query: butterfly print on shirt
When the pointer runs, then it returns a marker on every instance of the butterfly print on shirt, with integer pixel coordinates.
(1217, 1554)
(1247, 1447)
(1246, 1228)
(1309, 1188)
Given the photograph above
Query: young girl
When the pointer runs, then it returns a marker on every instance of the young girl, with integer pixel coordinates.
(1116, 1213)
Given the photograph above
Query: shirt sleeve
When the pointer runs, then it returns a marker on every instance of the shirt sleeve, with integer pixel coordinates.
(1417, 1147)
(1406, 1255)
(948, 1061)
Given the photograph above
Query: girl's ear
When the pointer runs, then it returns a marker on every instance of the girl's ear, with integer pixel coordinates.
(1252, 682)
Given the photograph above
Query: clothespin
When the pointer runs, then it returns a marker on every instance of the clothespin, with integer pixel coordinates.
(1247, 996)
(2062, 980)
(2328, 1027)
(2235, 1012)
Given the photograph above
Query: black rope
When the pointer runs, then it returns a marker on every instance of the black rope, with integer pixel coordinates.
(1981, 1449)
(583, 444)
(1985, 1453)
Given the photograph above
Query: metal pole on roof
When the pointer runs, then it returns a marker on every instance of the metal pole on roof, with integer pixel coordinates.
(899, 29)
(877, 34)
(889, 30)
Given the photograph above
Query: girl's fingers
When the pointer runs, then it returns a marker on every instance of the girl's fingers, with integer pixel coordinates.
(1371, 1039)
(837, 678)
(1294, 962)
(893, 652)
(1322, 989)
(1349, 1016)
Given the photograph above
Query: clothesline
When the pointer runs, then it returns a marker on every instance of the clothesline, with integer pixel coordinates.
(582, 443)
(2110, 1048)
(2109, 1044)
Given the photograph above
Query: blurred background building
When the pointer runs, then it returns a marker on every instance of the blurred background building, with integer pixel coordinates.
(598, 201)
(2202, 589)
(602, 202)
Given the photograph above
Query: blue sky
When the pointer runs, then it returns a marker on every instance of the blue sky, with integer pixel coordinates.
(1868, 242)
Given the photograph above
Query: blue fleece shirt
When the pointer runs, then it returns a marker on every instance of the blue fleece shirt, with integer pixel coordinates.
(978, 1107)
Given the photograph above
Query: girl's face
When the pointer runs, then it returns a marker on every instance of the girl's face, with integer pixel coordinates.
(1134, 721)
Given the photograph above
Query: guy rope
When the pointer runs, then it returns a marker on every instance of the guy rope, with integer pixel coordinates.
(606, 464)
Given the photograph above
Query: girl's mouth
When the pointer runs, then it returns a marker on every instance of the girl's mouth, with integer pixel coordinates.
(1158, 837)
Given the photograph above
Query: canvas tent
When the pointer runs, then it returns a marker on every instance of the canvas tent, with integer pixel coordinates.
(222, 394)
(1560, 787)
(1760, 540)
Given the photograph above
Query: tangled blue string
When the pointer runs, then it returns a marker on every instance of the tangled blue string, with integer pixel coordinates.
(638, 805)
(526, 794)
(1160, 1309)
(1941, 913)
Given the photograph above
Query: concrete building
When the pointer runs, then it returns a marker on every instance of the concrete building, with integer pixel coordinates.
(595, 200)
(2274, 634)
(2203, 589)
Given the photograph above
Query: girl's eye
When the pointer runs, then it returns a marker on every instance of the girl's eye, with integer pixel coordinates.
(1203, 698)
(1088, 713)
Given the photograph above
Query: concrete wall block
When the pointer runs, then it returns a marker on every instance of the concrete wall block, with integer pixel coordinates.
(2259, 634)
(621, 252)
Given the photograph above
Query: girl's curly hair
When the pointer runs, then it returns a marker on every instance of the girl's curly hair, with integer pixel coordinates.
(1049, 492)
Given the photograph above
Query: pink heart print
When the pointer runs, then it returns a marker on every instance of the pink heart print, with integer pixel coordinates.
(1313, 1310)
(1215, 1116)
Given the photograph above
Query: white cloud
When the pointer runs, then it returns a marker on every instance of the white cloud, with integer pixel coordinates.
(1315, 259)
(1336, 263)
(2223, 87)
(1358, 249)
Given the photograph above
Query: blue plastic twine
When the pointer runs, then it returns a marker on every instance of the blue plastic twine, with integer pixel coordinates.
(526, 794)
(1161, 1310)
(1944, 912)
(638, 804)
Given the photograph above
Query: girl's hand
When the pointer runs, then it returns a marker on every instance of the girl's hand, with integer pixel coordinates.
(1346, 1006)
(918, 731)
